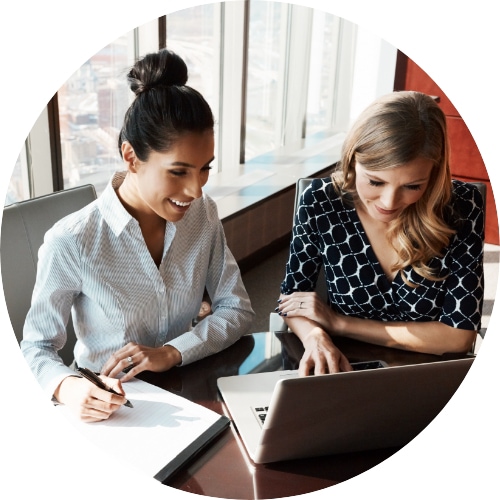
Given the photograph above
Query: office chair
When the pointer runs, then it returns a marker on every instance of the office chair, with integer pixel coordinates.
(24, 225)
(276, 323)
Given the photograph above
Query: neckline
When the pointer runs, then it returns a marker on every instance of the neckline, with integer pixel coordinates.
(370, 252)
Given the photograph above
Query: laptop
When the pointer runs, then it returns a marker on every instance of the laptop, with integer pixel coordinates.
(281, 416)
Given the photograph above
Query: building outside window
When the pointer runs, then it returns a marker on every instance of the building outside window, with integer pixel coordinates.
(92, 104)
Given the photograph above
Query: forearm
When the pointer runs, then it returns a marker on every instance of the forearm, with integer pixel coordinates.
(432, 337)
(213, 334)
(45, 363)
(304, 328)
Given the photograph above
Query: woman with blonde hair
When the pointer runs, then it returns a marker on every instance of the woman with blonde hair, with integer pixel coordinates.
(401, 243)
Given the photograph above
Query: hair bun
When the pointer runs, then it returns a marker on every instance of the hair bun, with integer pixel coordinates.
(156, 70)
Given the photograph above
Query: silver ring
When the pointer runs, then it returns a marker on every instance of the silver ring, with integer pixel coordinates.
(129, 359)
(300, 305)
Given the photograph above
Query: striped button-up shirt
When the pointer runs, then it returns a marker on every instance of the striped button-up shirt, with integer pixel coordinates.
(95, 265)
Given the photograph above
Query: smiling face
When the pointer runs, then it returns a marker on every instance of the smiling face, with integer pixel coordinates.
(167, 183)
(384, 194)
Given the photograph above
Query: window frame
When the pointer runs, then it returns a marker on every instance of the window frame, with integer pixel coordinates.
(44, 145)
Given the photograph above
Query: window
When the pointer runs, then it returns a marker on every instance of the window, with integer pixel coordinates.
(279, 77)
(19, 185)
(264, 56)
(325, 39)
(92, 104)
(195, 35)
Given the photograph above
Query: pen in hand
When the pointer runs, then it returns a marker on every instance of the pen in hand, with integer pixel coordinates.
(92, 377)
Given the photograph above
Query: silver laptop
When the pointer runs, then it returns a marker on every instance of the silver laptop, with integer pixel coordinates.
(281, 416)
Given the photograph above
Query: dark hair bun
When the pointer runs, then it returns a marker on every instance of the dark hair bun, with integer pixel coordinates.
(160, 69)
(164, 107)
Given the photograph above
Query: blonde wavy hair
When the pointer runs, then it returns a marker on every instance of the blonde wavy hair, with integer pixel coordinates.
(394, 130)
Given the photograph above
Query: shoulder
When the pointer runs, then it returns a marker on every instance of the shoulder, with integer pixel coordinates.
(467, 211)
(468, 190)
(320, 190)
(467, 198)
(202, 215)
(75, 226)
(206, 208)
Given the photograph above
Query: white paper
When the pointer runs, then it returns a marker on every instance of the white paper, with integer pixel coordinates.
(152, 433)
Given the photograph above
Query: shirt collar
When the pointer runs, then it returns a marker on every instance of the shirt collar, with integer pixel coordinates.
(111, 208)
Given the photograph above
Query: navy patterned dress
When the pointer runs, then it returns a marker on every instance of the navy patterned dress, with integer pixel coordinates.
(327, 232)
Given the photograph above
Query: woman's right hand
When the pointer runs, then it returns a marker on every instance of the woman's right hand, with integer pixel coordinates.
(87, 401)
(321, 355)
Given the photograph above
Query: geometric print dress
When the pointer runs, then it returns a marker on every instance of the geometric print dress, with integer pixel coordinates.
(328, 233)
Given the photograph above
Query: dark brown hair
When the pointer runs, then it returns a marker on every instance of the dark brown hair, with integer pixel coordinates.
(164, 107)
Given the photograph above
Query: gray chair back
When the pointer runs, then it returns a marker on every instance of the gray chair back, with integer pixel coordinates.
(24, 225)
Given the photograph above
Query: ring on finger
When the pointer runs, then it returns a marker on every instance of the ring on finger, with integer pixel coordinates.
(130, 361)
(300, 305)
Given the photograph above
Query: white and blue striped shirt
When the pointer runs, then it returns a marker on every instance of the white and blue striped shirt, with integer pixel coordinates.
(95, 265)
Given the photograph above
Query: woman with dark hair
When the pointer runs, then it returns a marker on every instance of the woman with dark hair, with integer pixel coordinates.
(133, 266)
(400, 242)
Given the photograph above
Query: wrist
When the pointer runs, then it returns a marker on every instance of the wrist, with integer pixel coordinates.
(173, 356)
(315, 334)
(63, 388)
(341, 325)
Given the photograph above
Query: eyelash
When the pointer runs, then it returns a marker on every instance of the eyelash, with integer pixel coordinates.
(182, 173)
(411, 187)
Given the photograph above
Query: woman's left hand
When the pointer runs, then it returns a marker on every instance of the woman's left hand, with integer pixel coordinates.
(307, 305)
(135, 358)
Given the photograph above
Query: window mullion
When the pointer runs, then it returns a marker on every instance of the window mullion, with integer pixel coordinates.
(233, 70)
(334, 70)
(283, 75)
(296, 76)
(40, 157)
(26, 172)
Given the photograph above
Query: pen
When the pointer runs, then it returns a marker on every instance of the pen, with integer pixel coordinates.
(92, 377)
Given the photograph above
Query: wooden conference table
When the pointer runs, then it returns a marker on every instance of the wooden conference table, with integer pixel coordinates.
(224, 470)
